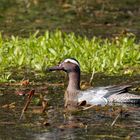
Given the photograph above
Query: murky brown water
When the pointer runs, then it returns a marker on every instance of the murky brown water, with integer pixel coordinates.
(56, 123)
(86, 17)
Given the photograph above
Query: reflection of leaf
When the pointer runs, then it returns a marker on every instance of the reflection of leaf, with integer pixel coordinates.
(25, 82)
(21, 93)
(72, 124)
(10, 106)
(46, 123)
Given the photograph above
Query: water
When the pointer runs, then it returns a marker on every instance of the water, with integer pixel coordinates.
(56, 123)
(92, 17)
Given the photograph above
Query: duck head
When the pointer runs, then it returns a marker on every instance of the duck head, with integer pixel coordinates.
(72, 67)
(68, 65)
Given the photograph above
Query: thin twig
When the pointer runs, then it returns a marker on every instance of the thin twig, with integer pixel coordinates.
(116, 119)
(89, 107)
(44, 106)
(31, 93)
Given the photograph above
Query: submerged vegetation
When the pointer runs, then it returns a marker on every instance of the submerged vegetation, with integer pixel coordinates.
(119, 55)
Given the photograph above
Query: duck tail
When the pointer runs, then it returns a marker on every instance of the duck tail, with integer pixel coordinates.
(135, 101)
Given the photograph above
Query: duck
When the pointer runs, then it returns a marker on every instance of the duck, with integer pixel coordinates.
(93, 96)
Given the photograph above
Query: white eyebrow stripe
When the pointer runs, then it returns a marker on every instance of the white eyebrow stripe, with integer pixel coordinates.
(72, 61)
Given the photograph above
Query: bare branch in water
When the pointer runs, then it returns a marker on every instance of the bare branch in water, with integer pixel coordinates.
(31, 93)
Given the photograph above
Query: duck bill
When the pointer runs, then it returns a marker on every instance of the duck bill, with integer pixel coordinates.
(55, 68)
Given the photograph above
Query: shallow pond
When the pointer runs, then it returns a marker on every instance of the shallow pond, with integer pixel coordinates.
(56, 123)
(86, 17)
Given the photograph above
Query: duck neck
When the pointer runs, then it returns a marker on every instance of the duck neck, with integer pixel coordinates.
(71, 98)
(74, 81)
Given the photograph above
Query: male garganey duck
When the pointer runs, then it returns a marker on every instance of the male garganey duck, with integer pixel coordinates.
(93, 96)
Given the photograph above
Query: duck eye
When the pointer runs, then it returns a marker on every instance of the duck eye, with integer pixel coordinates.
(68, 62)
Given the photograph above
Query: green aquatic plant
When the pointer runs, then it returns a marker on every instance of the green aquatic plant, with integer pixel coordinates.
(119, 55)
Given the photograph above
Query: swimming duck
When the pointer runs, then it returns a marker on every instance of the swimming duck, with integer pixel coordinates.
(93, 96)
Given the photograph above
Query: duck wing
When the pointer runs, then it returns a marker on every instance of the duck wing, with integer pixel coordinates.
(94, 96)
(116, 90)
(120, 94)
(100, 95)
